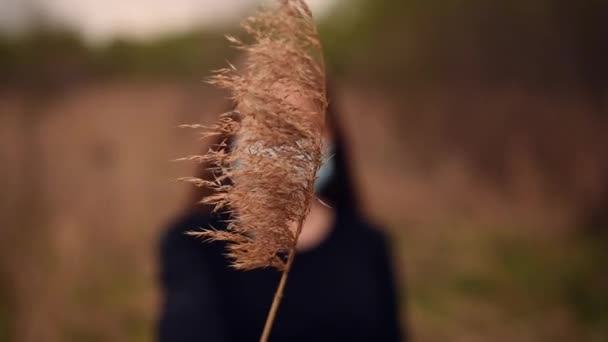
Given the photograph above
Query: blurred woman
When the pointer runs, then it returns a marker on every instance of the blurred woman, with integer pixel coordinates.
(340, 288)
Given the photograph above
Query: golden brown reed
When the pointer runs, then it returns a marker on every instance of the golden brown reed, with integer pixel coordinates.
(265, 166)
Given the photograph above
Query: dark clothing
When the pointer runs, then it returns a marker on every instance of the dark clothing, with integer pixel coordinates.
(342, 290)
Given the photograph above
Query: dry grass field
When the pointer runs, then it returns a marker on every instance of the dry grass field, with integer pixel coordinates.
(486, 243)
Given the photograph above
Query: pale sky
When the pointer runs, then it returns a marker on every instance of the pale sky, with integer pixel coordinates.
(100, 20)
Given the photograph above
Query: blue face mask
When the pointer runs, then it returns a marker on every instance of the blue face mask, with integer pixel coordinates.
(326, 172)
(324, 175)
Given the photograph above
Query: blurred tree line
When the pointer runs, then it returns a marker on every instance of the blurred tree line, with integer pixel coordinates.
(546, 42)
(549, 43)
(62, 55)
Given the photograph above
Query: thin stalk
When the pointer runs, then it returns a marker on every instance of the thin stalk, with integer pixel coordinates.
(278, 296)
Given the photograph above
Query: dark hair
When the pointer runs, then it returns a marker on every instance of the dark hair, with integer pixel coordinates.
(339, 192)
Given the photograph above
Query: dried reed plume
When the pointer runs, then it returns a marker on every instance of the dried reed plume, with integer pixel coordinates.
(265, 166)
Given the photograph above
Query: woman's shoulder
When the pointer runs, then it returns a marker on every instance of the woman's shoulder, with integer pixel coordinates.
(196, 220)
(360, 225)
(176, 231)
(189, 221)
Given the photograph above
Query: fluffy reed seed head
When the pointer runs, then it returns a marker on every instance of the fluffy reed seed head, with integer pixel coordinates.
(265, 167)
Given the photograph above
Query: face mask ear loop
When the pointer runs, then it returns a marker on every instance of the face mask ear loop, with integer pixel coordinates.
(326, 172)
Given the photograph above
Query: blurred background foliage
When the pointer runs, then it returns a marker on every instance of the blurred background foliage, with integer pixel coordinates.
(541, 41)
(61, 54)
(478, 131)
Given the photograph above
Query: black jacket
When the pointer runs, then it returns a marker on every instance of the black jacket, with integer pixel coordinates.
(342, 290)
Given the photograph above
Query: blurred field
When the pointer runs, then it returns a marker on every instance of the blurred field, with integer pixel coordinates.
(493, 211)
(88, 185)
(482, 152)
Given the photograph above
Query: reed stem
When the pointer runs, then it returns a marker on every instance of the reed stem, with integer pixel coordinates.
(278, 296)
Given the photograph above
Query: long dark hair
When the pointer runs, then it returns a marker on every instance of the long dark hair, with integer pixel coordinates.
(339, 192)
